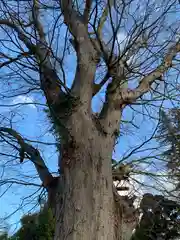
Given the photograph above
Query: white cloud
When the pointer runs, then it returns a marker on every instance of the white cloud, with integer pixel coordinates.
(24, 99)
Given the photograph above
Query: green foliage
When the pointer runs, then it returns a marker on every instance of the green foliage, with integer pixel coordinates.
(54, 129)
(39, 226)
(28, 229)
(160, 219)
(46, 226)
(3, 236)
(58, 128)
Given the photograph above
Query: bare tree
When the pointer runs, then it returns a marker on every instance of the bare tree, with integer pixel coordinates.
(127, 48)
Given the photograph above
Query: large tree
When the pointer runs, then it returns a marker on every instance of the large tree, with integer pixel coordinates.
(124, 48)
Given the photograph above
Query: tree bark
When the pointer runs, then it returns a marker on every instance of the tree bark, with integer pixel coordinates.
(85, 203)
(85, 210)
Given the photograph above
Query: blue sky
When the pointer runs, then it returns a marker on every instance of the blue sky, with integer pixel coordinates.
(32, 123)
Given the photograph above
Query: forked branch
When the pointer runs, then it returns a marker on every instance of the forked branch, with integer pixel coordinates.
(73, 19)
(87, 55)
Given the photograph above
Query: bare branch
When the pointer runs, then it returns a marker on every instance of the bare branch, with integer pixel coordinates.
(11, 60)
(97, 87)
(20, 182)
(36, 21)
(103, 19)
(21, 35)
(87, 11)
(48, 76)
(128, 96)
(33, 154)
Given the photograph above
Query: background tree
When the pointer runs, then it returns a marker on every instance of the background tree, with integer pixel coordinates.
(4, 236)
(120, 50)
(169, 137)
(160, 215)
(38, 226)
(160, 219)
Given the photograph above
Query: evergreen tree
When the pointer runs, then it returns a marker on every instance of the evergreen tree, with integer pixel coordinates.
(169, 137)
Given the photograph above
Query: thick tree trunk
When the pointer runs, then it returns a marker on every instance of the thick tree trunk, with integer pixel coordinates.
(85, 206)
(85, 211)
